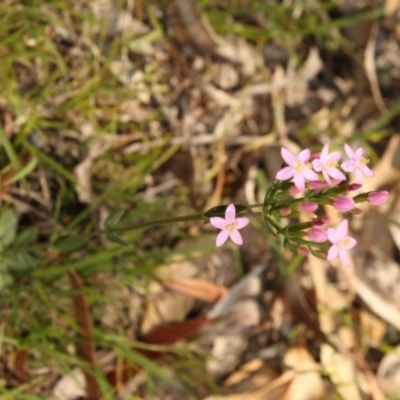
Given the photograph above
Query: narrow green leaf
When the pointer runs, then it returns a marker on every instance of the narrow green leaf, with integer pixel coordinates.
(8, 227)
(114, 217)
(112, 237)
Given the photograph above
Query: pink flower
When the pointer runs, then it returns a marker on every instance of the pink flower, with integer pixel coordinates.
(298, 168)
(327, 164)
(229, 226)
(340, 242)
(357, 162)
(308, 207)
(344, 203)
(317, 234)
(377, 198)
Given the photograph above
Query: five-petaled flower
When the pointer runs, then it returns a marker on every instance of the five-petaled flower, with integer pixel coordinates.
(341, 242)
(298, 168)
(356, 162)
(327, 163)
(229, 226)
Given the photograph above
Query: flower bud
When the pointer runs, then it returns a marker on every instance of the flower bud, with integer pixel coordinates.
(344, 203)
(320, 221)
(285, 211)
(308, 207)
(317, 234)
(377, 198)
(315, 185)
(303, 250)
(354, 186)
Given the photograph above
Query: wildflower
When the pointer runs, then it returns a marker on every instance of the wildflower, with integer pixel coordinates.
(377, 198)
(298, 168)
(229, 226)
(344, 203)
(340, 242)
(308, 207)
(317, 234)
(356, 162)
(327, 164)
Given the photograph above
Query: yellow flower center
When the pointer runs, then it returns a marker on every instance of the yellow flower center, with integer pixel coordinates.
(364, 161)
(232, 227)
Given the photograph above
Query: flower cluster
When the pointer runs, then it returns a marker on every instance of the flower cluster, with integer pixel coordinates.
(307, 182)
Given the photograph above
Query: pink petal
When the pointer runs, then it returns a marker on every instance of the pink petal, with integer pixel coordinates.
(242, 222)
(324, 153)
(344, 257)
(359, 176)
(310, 175)
(299, 182)
(332, 252)
(367, 171)
(230, 213)
(342, 229)
(349, 243)
(336, 174)
(336, 155)
(333, 236)
(236, 237)
(359, 153)
(221, 238)
(317, 165)
(289, 158)
(285, 174)
(218, 222)
(326, 176)
(348, 166)
(349, 151)
(304, 156)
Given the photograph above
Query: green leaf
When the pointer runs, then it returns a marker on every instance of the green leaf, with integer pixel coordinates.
(25, 238)
(5, 278)
(19, 261)
(113, 219)
(8, 227)
(70, 243)
(112, 237)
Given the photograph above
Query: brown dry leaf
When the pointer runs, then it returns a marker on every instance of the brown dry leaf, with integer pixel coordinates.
(197, 288)
(85, 345)
(175, 331)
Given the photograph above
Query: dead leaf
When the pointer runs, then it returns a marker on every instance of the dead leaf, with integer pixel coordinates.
(197, 288)
(175, 331)
(85, 345)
